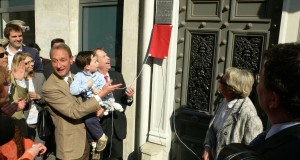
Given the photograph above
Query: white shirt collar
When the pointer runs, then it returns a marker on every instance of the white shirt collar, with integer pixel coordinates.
(66, 77)
(11, 55)
(231, 103)
(278, 127)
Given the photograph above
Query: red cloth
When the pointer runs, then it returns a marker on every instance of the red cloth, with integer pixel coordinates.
(160, 41)
(8, 151)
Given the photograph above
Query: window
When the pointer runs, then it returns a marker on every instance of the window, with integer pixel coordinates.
(101, 26)
(18, 10)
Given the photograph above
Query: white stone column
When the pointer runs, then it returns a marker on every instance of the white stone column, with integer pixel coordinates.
(290, 22)
(145, 78)
(129, 67)
(162, 99)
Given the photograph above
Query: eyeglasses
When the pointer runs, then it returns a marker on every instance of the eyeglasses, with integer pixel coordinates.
(223, 81)
(3, 53)
(29, 62)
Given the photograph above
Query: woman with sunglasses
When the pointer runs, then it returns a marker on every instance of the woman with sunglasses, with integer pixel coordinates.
(3, 57)
(235, 119)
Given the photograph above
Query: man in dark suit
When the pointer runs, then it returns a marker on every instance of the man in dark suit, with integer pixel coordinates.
(279, 96)
(14, 34)
(124, 96)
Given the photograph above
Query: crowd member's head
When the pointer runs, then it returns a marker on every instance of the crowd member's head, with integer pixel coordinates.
(87, 60)
(14, 34)
(3, 57)
(57, 41)
(18, 58)
(20, 23)
(279, 88)
(61, 59)
(103, 60)
(29, 63)
(236, 83)
(34, 46)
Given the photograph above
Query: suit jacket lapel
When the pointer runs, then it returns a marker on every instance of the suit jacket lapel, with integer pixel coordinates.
(64, 85)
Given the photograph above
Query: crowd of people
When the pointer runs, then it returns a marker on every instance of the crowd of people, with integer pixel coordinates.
(29, 82)
(87, 101)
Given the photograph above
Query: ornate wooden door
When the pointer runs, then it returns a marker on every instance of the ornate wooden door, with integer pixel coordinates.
(213, 35)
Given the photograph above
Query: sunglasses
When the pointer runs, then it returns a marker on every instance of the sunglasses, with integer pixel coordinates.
(32, 61)
(3, 53)
(222, 81)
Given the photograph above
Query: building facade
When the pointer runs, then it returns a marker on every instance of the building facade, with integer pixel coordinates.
(174, 96)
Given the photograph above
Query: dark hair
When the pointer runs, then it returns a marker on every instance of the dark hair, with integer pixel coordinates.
(34, 45)
(83, 58)
(282, 75)
(11, 27)
(61, 46)
(57, 40)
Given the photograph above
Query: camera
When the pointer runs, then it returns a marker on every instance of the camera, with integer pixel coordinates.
(25, 28)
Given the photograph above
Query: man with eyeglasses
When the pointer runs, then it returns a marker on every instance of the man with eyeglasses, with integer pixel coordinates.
(14, 34)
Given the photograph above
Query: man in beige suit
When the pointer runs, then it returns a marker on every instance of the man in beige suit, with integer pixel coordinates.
(66, 110)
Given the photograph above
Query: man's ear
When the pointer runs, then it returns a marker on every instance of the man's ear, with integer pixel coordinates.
(274, 100)
(72, 59)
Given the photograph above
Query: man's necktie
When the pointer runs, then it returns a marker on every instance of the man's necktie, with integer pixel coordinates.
(69, 81)
(106, 78)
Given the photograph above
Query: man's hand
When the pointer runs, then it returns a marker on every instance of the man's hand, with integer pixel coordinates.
(129, 92)
(100, 112)
(89, 83)
(107, 88)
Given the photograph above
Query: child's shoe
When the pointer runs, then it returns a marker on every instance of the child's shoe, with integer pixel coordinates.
(101, 143)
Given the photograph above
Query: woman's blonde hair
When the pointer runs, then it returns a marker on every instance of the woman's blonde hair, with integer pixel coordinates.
(20, 56)
(240, 81)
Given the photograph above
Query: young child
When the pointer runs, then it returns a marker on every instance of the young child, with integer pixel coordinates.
(86, 83)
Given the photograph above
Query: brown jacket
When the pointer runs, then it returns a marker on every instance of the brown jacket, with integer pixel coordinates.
(67, 111)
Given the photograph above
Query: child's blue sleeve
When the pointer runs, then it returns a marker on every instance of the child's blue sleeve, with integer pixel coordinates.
(78, 85)
(99, 81)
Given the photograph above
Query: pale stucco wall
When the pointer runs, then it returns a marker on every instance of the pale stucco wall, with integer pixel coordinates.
(56, 19)
(290, 21)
